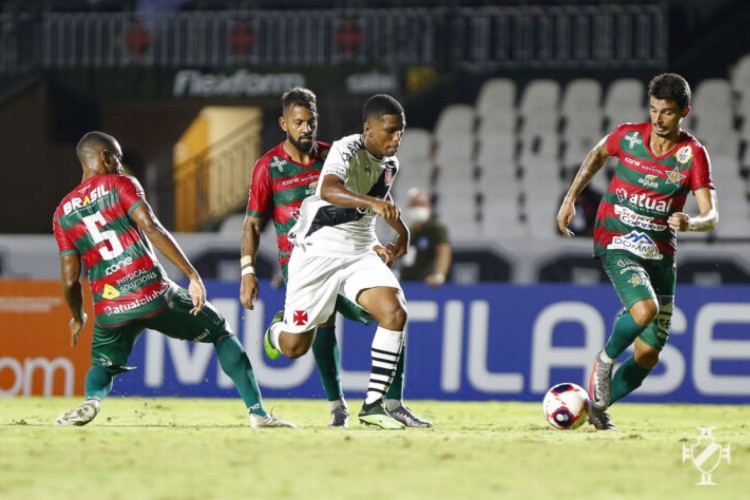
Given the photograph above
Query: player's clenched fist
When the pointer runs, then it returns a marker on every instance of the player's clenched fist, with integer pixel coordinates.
(386, 209)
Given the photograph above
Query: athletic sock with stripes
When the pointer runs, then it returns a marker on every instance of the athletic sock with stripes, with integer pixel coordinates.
(396, 390)
(385, 350)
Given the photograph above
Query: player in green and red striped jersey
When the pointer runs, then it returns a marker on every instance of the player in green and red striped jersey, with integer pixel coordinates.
(635, 234)
(107, 222)
(281, 179)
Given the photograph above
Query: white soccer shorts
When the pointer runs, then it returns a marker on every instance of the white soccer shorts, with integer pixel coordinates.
(314, 282)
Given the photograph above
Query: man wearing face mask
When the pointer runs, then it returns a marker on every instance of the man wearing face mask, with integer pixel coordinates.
(430, 255)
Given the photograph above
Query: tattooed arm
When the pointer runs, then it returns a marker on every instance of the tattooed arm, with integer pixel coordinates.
(591, 165)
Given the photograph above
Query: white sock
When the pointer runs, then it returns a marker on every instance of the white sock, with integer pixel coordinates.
(392, 404)
(603, 356)
(275, 333)
(332, 405)
(385, 351)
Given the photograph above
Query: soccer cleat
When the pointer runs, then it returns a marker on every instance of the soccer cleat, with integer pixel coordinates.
(339, 417)
(81, 415)
(271, 351)
(600, 382)
(600, 419)
(407, 417)
(268, 420)
(376, 416)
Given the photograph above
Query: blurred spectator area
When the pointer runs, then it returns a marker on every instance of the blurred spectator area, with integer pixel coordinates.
(502, 103)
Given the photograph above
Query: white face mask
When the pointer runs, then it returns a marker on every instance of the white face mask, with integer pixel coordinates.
(417, 215)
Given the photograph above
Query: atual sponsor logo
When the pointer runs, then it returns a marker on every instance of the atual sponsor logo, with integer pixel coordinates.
(637, 243)
(631, 218)
(121, 308)
(643, 200)
(192, 83)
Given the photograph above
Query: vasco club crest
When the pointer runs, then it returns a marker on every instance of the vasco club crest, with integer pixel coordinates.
(706, 454)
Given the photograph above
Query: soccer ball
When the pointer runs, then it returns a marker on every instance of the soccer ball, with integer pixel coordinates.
(566, 406)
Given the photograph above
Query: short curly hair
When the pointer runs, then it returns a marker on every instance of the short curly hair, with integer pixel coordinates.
(299, 96)
(671, 86)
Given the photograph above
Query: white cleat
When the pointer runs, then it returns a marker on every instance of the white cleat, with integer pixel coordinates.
(269, 420)
(81, 415)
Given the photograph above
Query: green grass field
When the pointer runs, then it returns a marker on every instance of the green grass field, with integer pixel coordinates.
(204, 448)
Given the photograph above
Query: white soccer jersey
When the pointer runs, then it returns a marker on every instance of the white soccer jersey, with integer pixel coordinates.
(327, 229)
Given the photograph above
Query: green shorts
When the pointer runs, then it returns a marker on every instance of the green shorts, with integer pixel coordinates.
(111, 347)
(637, 279)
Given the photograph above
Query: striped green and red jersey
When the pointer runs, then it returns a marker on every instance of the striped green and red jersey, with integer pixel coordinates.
(93, 221)
(278, 187)
(645, 190)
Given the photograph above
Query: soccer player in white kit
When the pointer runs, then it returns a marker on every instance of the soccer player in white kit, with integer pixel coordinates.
(336, 252)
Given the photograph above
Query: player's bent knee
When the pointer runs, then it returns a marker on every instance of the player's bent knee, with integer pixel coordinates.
(295, 346)
(644, 312)
(394, 319)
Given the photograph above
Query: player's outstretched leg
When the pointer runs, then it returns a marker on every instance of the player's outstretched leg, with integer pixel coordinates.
(81, 415)
(326, 351)
(235, 363)
(99, 381)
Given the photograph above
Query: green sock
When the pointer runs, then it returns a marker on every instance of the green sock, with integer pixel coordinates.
(623, 334)
(99, 380)
(396, 390)
(326, 352)
(236, 364)
(628, 377)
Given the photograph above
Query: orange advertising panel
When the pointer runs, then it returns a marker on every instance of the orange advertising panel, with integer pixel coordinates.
(36, 357)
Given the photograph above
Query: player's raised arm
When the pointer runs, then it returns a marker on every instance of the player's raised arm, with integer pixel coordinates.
(591, 165)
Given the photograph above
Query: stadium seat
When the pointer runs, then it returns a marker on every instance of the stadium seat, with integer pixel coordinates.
(416, 162)
(740, 75)
(501, 218)
(582, 132)
(455, 118)
(540, 107)
(625, 102)
(416, 145)
(496, 106)
(712, 114)
(582, 95)
(497, 94)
